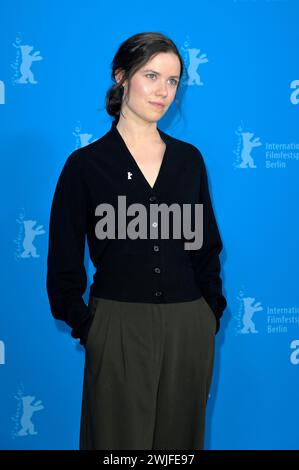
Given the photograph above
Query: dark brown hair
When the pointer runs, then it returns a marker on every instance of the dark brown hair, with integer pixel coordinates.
(131, 55)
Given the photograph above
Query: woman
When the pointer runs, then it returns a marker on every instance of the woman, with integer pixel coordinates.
(154, 306)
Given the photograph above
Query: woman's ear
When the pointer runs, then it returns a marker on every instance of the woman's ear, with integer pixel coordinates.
(118, 75)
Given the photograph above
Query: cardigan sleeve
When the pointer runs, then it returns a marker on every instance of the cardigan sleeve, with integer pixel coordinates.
(206, 260)
(66, 275)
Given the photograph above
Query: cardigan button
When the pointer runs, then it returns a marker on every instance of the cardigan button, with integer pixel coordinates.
(156, 248)
(157, 270)
(158, 293)
(153, 198)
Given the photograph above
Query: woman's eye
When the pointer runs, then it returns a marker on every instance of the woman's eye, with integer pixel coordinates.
(173, 80)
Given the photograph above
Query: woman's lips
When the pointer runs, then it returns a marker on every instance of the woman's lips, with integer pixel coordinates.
(157, 105)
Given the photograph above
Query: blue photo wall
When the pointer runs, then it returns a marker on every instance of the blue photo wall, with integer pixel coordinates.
(239, 104)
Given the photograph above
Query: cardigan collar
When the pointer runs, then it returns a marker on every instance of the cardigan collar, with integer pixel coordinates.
(115, 135)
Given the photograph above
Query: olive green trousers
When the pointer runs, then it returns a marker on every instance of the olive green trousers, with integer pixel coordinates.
(147, 375)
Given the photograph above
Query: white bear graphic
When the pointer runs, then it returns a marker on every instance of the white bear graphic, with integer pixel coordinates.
(249, 311)
(30, 234)
(248, 144)
(28, 409)
(27, 59)
(195, 59)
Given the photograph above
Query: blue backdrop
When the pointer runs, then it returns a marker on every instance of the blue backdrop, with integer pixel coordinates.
(240, 107)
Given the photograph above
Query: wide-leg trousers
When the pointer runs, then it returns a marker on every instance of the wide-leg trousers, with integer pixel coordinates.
(147, 375)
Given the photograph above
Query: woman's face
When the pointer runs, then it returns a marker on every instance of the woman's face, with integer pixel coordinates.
(155, 82)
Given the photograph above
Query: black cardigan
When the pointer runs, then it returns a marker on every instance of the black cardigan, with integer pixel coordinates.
(141, 270)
